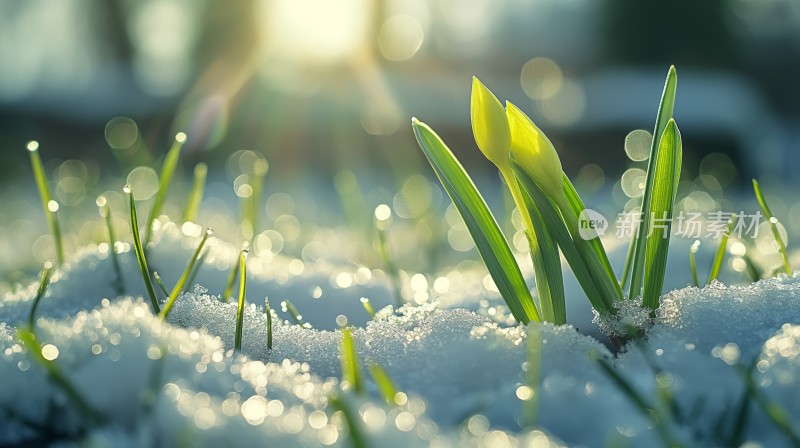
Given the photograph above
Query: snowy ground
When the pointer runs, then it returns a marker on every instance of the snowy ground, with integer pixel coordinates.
(462, 369)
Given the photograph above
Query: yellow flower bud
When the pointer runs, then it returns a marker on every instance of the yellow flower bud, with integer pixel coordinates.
(533, 151)
(490, 125)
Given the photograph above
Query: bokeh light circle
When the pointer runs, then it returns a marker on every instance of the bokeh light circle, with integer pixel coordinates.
(637, 145)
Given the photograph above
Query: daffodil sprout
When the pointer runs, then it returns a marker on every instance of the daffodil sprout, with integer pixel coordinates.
(492, 133)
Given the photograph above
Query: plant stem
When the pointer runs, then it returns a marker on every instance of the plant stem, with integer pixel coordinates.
(167, 171)
(242, 290)
(773, 226)
(693, 262)
(48, 204)
(139, 250)
(44, 282)
(196, 194)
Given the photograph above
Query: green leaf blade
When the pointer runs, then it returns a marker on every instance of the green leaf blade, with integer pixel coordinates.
(716, 265)
(139, 250)
(773, 227)
(536, 199)
(173, 296)
(384, 383)
(46, 199)
(480, 222)
(665, 109)
(240, 305)
(351, 368)
(661, 206)
(547, 271)
(167, 171)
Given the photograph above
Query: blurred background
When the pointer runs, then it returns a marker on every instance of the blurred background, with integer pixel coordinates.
(329, 84)
(321, 86)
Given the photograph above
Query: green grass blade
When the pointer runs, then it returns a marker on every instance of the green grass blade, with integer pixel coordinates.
(167, 171)
(28, 340)
(269, 323)
(196, 194)
(384, 383)
(549, 283)
(773, 227)
(481, 224)
(48, 204)
(662, 202)
(536, 199)
(693, 262)
(357, 439)
(752, 270)
(44, 282)
(105, 212)
(547, 271)
(665, 109)
(252, 204)
(716, 265)
(368, 307)
(592, 251)
(199, 265)
(626, 270)
(139, 250)
(576, 204)
(161, 284)
(351, 368)
(242, 291)
(385, 251)
(294, 314)
(173, 296)
(227, 294)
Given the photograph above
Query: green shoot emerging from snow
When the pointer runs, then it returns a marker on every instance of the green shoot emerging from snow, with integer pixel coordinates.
(385, 385)
(719, 256)
(167, 171)
(661, 169)
(383, 218)
(251, 198)
(693, 262)
(139, 250)
(241, 301)
(48, 204)
(44, 282)
(196, 193)
(161, 284)
(294, 314)
(480, 222)
(269, 323)
(105, 212)
(551, 210)
(227, 294)
(368, 307)
(773, 226)
(351, 368)
(185, 276)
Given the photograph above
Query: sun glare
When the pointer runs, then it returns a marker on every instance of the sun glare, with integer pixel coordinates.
(315, 31)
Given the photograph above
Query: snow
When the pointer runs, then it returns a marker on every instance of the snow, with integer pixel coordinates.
(454, 356)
